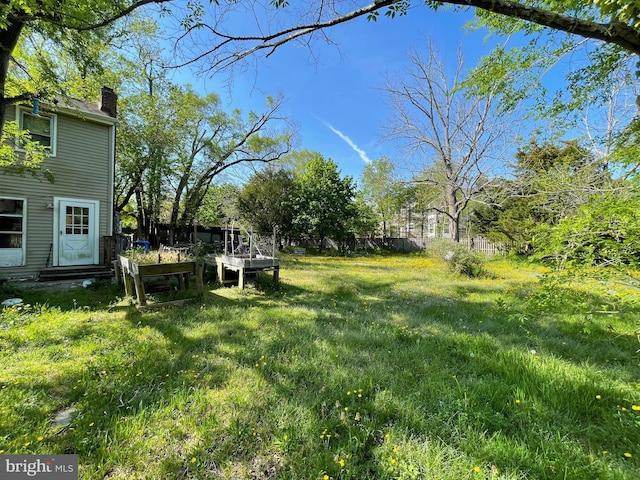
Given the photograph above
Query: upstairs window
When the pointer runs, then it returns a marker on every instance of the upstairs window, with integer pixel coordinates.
(42, 127)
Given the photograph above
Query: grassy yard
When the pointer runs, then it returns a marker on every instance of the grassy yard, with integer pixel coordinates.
(360, 368)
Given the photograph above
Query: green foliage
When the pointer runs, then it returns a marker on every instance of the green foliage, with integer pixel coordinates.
(459, 258)
(57, 47)
(29, 161)
(381, 189)
(467, 263)
(550, 183)
(218, 205)
(323, 202)
(371, 368)
(365, 222)
(518, 73)
(627, 11)
(174, 143)
(604, 232)
(264, 201)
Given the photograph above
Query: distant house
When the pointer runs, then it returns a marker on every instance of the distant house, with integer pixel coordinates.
(65, 223)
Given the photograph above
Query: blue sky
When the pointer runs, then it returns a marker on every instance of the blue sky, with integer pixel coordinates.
(333, 91)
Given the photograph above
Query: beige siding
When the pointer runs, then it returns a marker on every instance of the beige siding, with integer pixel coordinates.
(82, 169)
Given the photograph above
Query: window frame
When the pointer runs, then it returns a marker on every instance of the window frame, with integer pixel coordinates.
(53, 123)
(22, 232)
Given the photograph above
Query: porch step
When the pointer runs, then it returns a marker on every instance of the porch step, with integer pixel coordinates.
(71, 273)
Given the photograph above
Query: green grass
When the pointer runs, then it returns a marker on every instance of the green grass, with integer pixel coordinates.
(360, 368)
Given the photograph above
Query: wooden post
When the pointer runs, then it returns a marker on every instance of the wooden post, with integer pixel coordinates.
(251, 244)
(273, 256)
(117, 271)
(226, 234)
(241, 278)
(199, 276)
(126, 276)
(220, 270)
(142, 298)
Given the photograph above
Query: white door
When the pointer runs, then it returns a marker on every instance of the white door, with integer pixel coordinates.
(77, 232)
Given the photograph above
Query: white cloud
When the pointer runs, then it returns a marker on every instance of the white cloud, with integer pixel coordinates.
(351, 143)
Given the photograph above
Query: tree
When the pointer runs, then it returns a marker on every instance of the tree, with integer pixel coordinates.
(68, 23)
(174, 149)
(556, 28)
(381, 189)
(323, 203)
(366, 222)
(173, 142)
(454, 140)
(551, 182)
(605, 231)
(218, 206)
(223, 142)
(265, 201)
(613, 21)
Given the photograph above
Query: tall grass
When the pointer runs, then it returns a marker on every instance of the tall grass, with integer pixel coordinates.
(361, 368)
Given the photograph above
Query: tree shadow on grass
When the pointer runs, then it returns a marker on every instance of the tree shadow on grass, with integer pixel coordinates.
(339, 369)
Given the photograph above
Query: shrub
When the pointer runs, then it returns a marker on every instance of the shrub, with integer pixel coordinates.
(459, 258)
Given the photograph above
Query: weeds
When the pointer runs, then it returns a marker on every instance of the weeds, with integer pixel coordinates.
(381, 367)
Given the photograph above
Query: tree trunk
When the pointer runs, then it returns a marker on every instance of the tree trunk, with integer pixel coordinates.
(8, 40)
(454, 216)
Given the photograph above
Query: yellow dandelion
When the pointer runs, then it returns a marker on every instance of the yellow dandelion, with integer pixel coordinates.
(517, 401)
(349, 392)
(623, 409)
(627, 455)
(341, 462)
(29, 443)
(91, 424)
(477, 469)
(193, 459)
(346, 409)
(386, 435)
(599, 397)
(40, 438)
(635, 407)
(1, 452)
(393, 461)
(326, 477)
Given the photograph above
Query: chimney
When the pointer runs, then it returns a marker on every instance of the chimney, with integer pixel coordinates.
(109, 102)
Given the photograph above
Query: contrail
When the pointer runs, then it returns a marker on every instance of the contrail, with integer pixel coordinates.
(351, 143)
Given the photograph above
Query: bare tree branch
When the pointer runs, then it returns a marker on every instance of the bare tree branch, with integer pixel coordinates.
(229, 48)
(452, 141)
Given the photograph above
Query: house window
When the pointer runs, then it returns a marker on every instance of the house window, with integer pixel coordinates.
(12, 222)
(42, 127)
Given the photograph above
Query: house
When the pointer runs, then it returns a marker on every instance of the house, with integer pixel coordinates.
(67, 223)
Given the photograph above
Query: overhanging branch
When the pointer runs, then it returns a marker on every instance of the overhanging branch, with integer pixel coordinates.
(614, 32)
